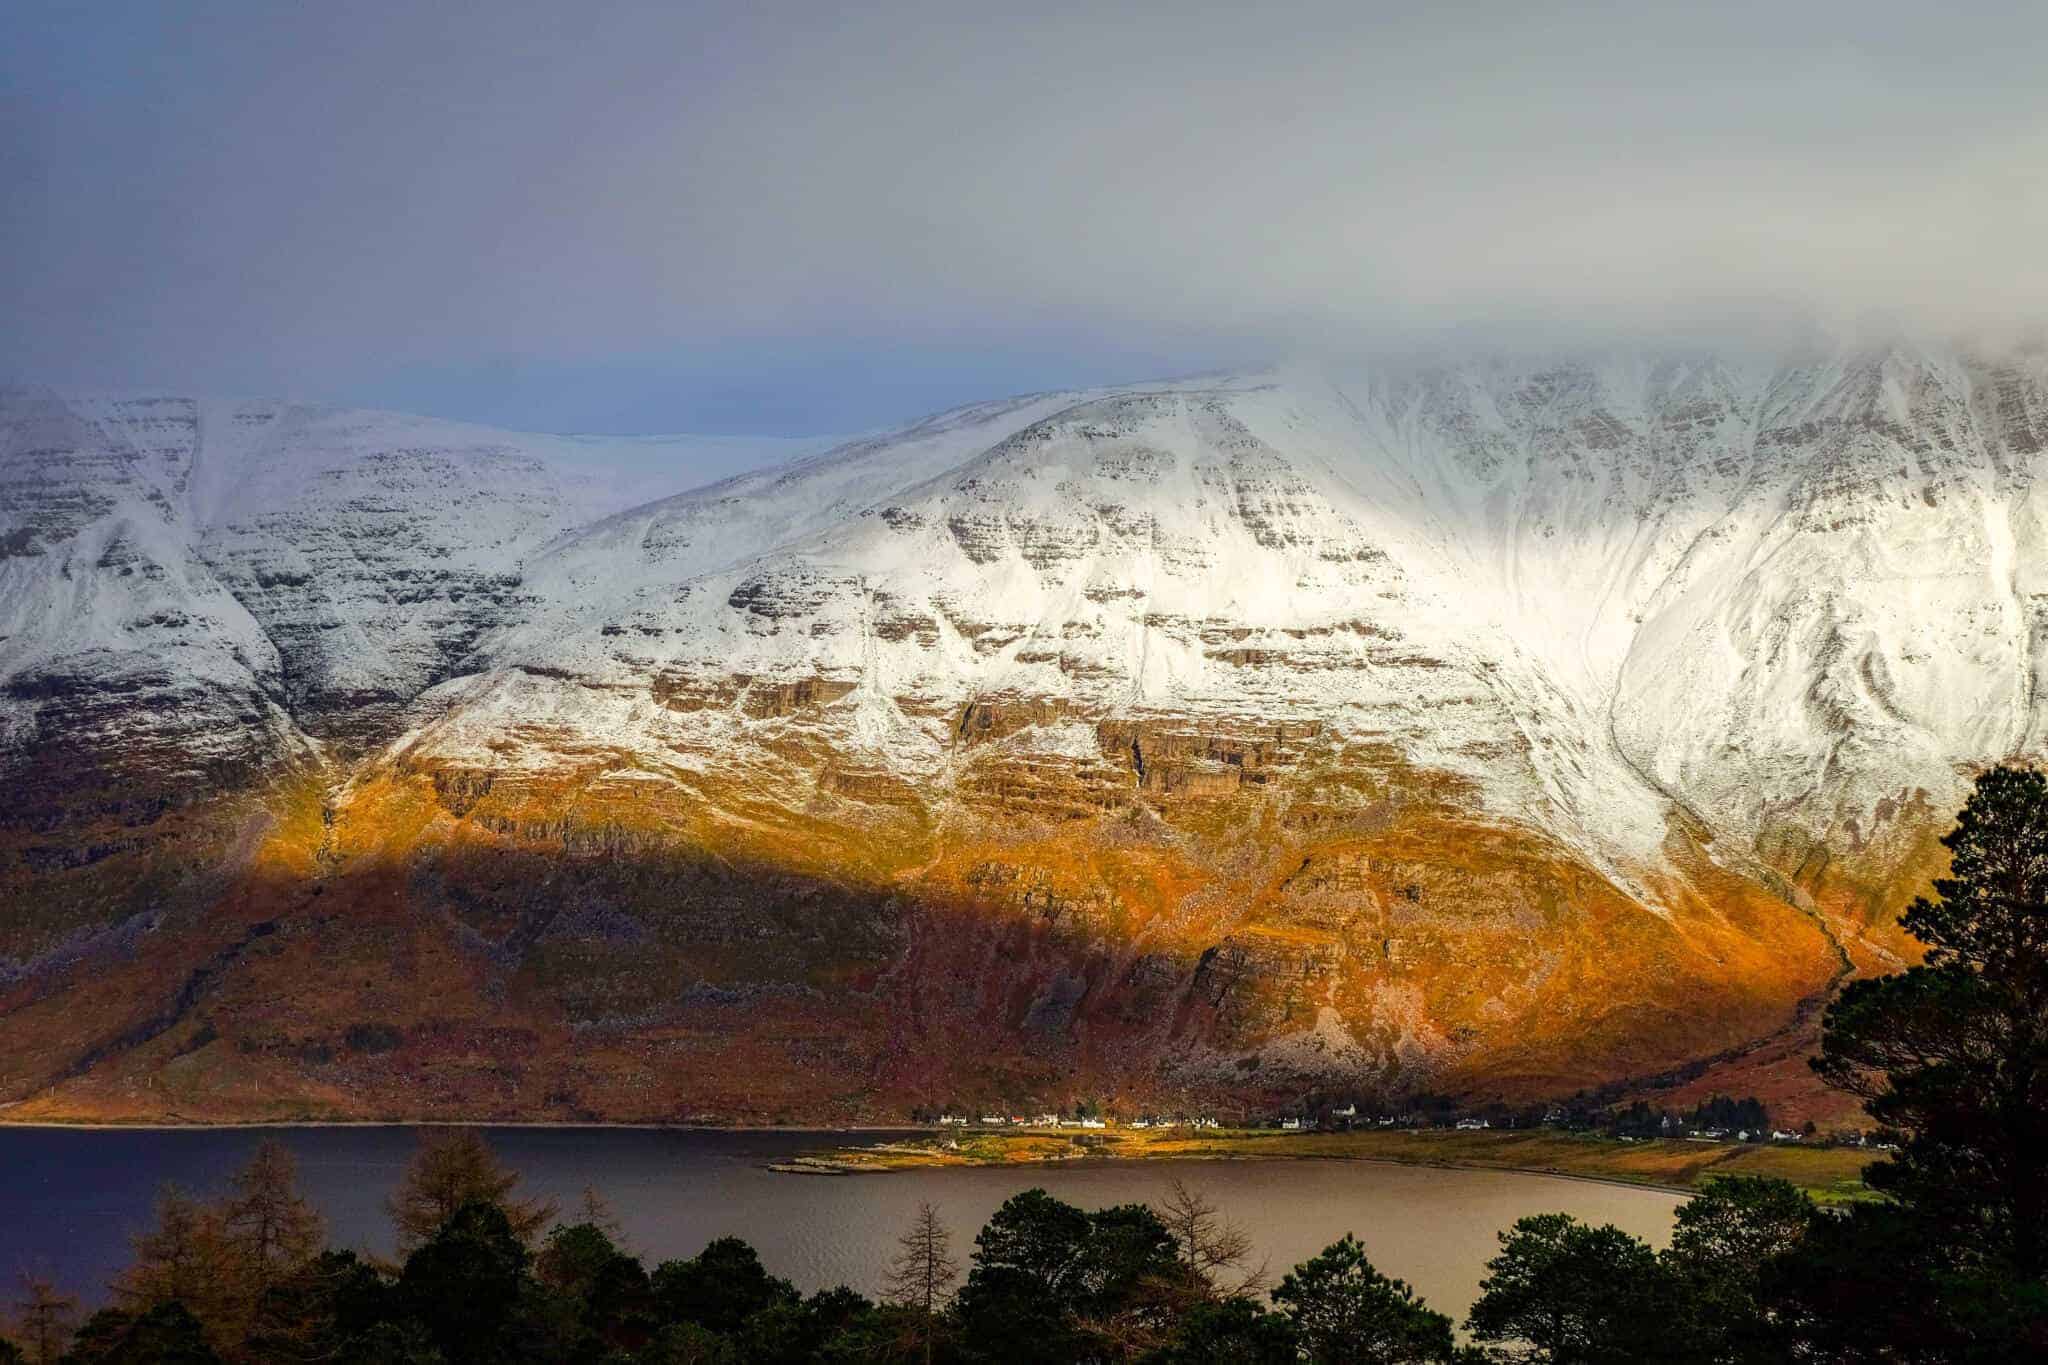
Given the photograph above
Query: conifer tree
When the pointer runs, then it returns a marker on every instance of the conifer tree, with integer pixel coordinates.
(43, 1320)
(453, 1168)
(269, 1224)
(1954, 1052)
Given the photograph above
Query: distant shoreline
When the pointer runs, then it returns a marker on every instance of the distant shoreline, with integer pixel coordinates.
(823, 1166)
(1831, 1175)
(1827, 1174)
(1137, 1159)
(217, 1125)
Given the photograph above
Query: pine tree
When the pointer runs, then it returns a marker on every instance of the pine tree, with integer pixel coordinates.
(1346, 1310)
(1955, 1052)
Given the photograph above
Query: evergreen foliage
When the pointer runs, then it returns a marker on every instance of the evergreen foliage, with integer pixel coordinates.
(1345, 1310)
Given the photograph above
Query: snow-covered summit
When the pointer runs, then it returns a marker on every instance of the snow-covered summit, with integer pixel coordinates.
(313, 565)
(1600, 592)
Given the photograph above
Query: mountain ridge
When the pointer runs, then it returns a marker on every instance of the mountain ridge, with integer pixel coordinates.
(1501, 727)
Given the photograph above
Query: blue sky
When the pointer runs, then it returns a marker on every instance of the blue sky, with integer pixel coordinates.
(803, 218)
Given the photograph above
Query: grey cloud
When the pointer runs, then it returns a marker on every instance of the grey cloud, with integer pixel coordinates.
(259, 195)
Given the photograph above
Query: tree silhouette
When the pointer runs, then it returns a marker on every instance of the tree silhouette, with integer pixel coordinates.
(1346, 1310)
(453, 1168)
(1955, 1052)
(1569, 1294)
(44, 1319)
(467, 1284)
(922, 1274)
(1209, 1245)
(183, 1259)
(1231, 1331)
(271, 1227)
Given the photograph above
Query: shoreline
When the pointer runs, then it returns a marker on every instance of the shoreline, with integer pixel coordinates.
(234, 1125)
(1826, 1174)
(1674, 1166)
(1099, 1162)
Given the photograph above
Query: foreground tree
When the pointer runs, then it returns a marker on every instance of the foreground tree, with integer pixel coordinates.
(318, 1311)
(603, 1290)
(922, 1275)
(270, 1228)
(1017, 1289)
(43, 1320)
(1730, 1237)
(184, 1259)
(453, 1168)
(1954, 1052)
(1215, 1252)
(468, 1286)
(1345, 1310)
(1052, 1283)
(832, 1325)
(719, 1288)
(218, 1260)
(1877, 1283)
(403, 1342)
(164, 1335)
(1232, 1331)
(1563, 1293)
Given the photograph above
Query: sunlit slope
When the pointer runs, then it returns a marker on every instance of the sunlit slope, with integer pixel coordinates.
(1488, 727)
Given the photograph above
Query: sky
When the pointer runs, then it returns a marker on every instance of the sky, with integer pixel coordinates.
(796, 219)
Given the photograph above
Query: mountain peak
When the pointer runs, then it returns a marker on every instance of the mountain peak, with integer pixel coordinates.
(1448, 701)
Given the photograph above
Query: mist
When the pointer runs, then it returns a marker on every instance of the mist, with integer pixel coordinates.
(796, 218)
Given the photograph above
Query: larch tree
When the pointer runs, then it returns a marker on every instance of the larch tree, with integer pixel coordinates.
(268, 1222)
(452, 1168)
(178, 1260)
(44, 1320)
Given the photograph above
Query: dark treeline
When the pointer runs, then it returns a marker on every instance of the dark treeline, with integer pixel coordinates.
(1949, 1264)
(245, 1279)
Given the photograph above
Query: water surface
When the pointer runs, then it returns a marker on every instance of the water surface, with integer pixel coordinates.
(69, 1198)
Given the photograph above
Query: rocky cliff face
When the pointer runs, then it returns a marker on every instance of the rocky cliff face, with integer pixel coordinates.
(1493, 727)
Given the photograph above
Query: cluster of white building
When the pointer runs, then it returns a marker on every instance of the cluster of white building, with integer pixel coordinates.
(1062, 1121)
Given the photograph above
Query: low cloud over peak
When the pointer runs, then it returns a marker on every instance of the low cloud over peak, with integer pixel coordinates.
(351, 202)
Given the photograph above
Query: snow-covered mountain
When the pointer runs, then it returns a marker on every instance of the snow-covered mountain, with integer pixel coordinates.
(312, 566)
(1593, 590)
(1488, 722)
